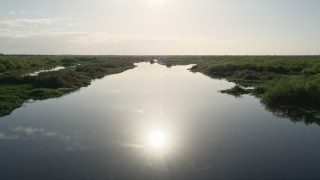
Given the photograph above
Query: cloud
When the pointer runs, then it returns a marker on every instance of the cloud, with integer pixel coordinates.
(81, 36)
(13, 13)
(97, 37)
(138, 111)
(4, 30)
(112, 19)
(56, 41)
(77, 24)
(26, 12)
(14, 23)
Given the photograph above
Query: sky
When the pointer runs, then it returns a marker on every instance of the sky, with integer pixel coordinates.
(160, 27)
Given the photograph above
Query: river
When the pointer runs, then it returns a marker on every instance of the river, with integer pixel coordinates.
(154, 122)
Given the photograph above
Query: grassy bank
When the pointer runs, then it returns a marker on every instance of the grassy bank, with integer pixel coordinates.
(283, 81)
(289, 83)
(16, 87)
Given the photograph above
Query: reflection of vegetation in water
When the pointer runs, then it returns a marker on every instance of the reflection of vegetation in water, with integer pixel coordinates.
(294, 114)
(291, 81)
(280, 81)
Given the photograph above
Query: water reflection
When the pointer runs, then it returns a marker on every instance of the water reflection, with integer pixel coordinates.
(294, 114)
(48, 70)
(154, 122)
(157, 139)
(27, 133)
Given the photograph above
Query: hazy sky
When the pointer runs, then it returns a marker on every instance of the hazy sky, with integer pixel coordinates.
(199, 27)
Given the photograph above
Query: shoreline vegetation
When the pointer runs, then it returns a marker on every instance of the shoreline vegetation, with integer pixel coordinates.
(289, 83)
(16, 87)
(286, 85)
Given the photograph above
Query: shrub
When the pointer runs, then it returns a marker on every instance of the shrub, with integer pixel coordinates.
(297, 90)
(2, 68)
(236, 91)
(61, 79)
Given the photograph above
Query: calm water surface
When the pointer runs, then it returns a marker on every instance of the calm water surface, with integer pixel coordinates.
(154, 122)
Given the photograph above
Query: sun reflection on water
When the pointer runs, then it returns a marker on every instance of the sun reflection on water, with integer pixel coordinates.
(157, 142)
(157, 139)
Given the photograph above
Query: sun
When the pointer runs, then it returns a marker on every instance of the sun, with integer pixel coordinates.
(157, 2)
(157, 139)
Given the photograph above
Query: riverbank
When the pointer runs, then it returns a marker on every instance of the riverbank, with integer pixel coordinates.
(16, 87)
(283, 81)
(279, 81)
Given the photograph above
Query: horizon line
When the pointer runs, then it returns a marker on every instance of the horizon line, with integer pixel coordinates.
(27, 54)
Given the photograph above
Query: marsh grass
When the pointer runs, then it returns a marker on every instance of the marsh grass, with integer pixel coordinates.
(16, 87)
(237, 91)
(291, 81)
(286, 81)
